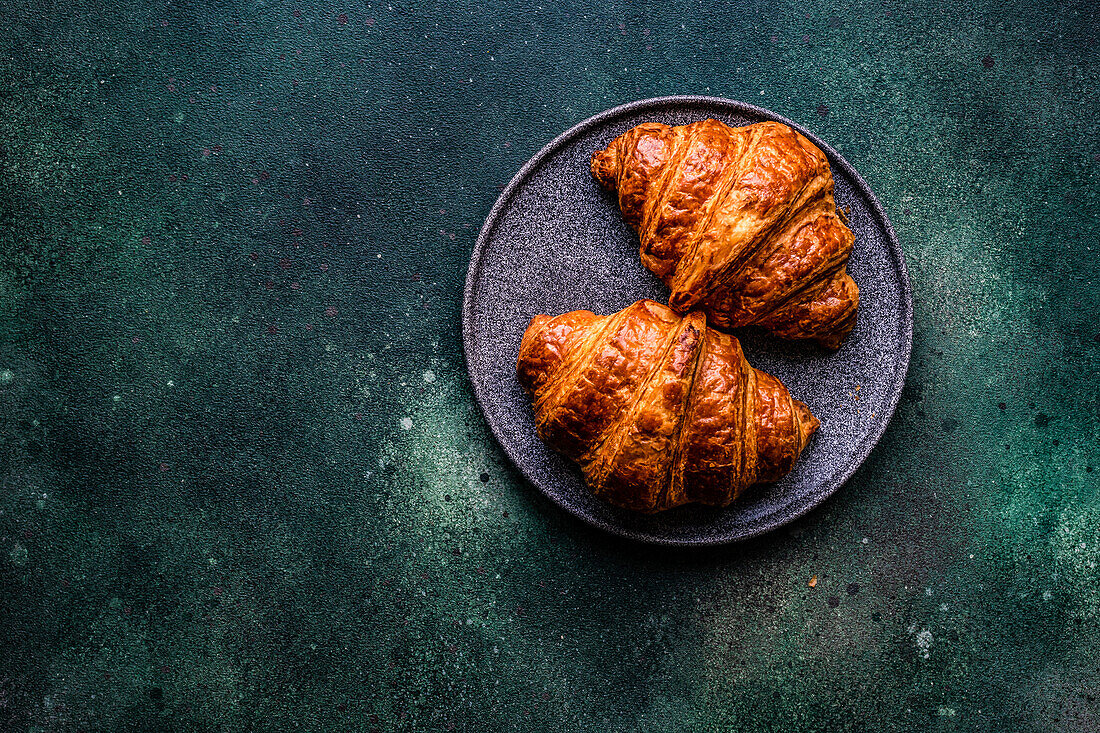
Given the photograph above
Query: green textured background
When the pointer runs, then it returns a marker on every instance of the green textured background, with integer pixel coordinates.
(243, 481)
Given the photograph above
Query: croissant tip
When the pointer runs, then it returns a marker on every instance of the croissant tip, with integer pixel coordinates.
(602, 164)
(807, 422)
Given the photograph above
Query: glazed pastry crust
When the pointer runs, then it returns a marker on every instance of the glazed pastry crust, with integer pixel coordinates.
(739, 222)
(658, 410)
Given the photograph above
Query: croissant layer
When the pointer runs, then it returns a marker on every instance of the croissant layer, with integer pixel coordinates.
(739, 222)
(657, 409)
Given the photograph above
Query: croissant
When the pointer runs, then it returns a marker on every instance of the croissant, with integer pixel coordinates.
(658, 410)
(739, 222)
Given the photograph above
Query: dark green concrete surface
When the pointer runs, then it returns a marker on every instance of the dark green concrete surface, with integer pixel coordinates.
(243, 482)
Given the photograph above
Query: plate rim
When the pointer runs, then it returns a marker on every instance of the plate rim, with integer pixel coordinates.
(504, 199)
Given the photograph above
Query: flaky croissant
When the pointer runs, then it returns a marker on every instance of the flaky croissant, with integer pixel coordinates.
(658, 410)
(739, 222)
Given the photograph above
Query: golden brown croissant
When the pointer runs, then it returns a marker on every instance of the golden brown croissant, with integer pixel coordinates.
(739, 222)
(658, 410)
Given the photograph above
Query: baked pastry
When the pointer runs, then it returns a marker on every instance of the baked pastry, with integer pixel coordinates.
(658, 410)
(739, 222)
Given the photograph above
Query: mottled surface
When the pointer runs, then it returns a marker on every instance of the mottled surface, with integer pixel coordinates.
(245, 485)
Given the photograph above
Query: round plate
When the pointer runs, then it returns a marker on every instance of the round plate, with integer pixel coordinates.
(556, 242)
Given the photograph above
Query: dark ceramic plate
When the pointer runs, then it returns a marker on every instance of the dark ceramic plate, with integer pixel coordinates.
(555, 242)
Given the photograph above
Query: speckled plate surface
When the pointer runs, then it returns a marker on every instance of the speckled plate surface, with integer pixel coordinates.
(555, 242)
